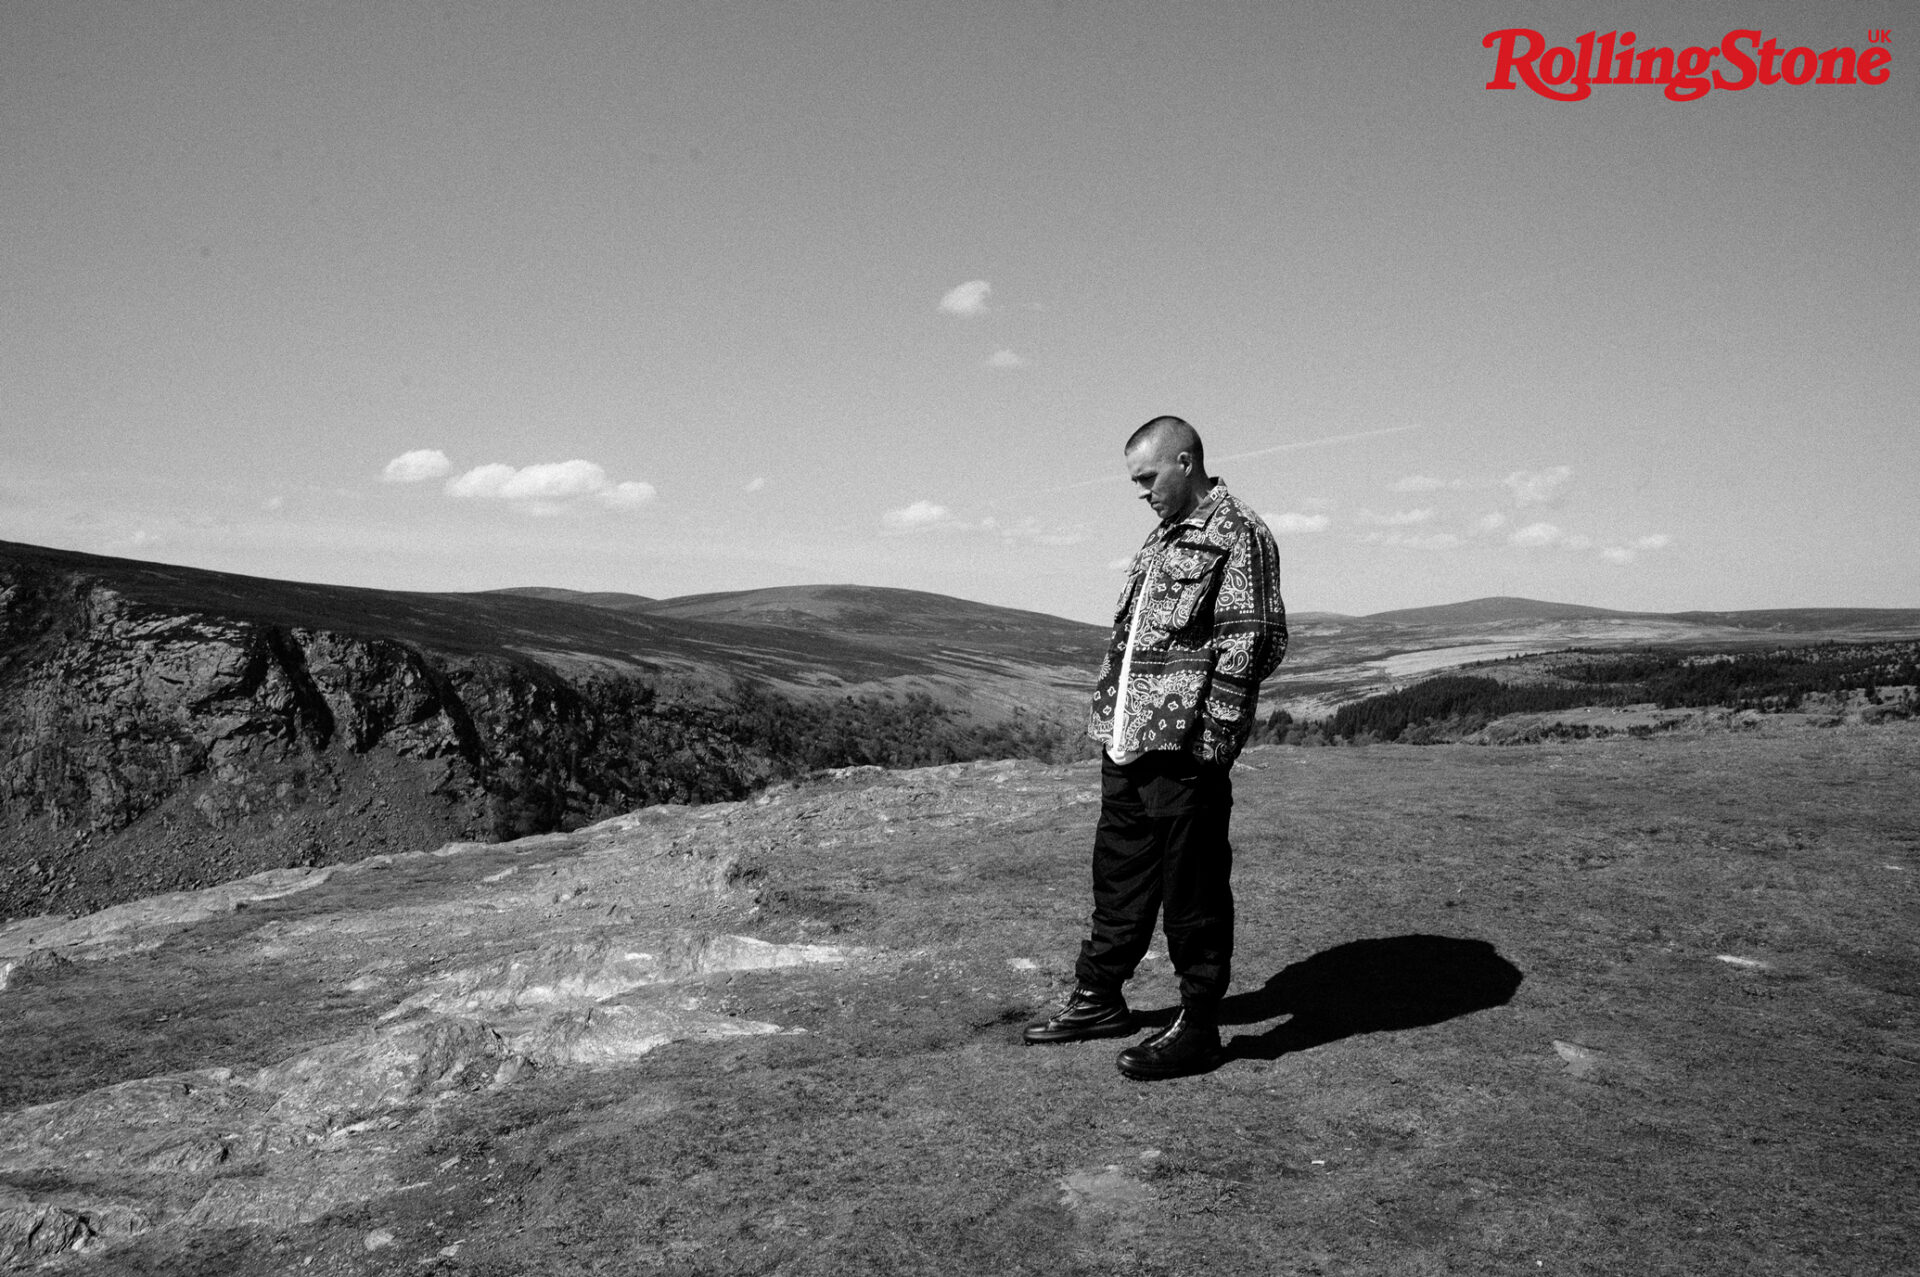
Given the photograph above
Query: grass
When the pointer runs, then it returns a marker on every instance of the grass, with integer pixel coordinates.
(1635, 1104)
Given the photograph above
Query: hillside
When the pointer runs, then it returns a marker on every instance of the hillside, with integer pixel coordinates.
(1336, 660)
(1503, 610)
(167, 728)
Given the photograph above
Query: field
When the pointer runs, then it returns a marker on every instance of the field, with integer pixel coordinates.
(1620, 1006)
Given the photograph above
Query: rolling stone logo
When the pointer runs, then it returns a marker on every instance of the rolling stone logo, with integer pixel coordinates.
(1744, 58)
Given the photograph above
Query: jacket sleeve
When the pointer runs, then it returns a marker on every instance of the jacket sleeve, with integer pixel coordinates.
(1249, 640)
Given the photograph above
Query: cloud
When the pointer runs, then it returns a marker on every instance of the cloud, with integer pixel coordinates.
(549, 487)
(1413, 540)
(924, 516)
(1538, 487)
(273, 503)
(1291, 522)
(758, 482)
(969, 298)
(417, 466)
(919, 515)
(1544, 535)
(628, 494)
(1633, 549)
(1398, 519)
(1418, 483)
(1492, 521)
(1007, 359)
(1535, 535)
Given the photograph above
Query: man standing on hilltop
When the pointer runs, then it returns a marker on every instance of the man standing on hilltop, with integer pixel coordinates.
(1199, 626)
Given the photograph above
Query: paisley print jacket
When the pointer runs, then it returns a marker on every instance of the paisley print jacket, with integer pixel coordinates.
(1212, 628)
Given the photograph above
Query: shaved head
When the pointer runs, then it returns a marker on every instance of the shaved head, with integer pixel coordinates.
(1165, 463)
(1171, 433)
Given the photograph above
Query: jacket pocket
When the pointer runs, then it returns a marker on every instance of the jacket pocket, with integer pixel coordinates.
(1191, 573)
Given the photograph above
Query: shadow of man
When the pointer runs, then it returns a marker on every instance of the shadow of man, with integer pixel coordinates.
(1369, 986)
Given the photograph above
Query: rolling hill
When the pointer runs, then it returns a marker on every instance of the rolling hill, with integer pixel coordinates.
(169, 727)
(164, 727)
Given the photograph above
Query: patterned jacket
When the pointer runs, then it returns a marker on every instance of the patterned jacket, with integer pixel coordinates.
(1211, 629)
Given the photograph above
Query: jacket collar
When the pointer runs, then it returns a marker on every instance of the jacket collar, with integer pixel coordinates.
(1198, 516)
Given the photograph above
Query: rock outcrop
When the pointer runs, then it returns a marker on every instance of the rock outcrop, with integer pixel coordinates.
(164, 729)
(143, 750)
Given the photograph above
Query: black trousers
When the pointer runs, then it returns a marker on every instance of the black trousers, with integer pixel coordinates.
(1162, 843)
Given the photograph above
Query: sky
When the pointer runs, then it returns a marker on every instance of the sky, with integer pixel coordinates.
(666, 298)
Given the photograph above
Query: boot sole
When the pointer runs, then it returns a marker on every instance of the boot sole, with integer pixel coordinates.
(1149, 1073)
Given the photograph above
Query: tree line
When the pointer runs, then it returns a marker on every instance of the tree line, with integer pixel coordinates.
(1771, 680)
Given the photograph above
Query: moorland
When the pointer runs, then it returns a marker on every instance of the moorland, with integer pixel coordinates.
(529, 932)
(1632, 1005)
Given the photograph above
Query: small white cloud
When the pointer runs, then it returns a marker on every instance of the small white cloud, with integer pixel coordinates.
(1633, 549)
(273, 503)
(921, 514)
(1120, 564)
(1418, 483)
(1007, 359)
(1492, 521)
(756, 483)
(549, 487)
(1413, 540)
(417, 466)
(969, 298)
(1535, 535)
(1538, 487)
(482, 481)
(627, 495)
(924, 516)
(1291, 522)
(141, 538)
(1398, 519)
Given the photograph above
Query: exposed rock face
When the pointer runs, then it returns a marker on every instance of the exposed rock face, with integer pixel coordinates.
(484, 963)
(142, 750)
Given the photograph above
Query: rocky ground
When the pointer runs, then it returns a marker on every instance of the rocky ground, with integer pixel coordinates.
(1623, 1005)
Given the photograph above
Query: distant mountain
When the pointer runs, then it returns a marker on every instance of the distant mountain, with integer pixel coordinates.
(1497, 609)
(610, 601)
(1500, 610)
(166, 727)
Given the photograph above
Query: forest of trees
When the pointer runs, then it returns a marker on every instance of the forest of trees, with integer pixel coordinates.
(1767, 680)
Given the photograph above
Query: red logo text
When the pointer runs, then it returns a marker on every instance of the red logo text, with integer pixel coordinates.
(1567, 73)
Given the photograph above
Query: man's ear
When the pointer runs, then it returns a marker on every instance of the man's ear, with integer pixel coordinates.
(1186, 461)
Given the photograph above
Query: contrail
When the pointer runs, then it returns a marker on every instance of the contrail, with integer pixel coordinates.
(1316, 443)
(1257, 452)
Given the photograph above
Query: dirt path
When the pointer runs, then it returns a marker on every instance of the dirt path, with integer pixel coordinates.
(1621, 1006)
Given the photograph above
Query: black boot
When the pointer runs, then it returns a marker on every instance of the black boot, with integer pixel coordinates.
(1191, 1044)
(1089, 1013)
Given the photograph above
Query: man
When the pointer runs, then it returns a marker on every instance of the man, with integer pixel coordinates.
(1199, 626)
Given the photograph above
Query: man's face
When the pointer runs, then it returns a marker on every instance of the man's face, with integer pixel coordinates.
(1164, 476)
